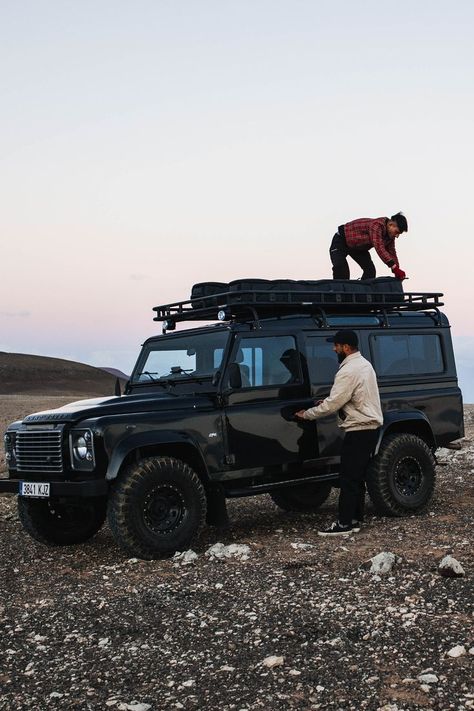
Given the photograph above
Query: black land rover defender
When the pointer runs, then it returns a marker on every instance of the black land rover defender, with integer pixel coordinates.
(208, 414)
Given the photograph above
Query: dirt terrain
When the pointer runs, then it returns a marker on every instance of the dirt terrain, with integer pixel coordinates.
(87, 628)
(40, 375)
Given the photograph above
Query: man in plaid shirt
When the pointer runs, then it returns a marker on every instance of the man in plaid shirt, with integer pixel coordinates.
(356, 238)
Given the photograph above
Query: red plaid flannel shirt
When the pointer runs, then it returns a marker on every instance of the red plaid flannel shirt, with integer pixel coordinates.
(367, 233)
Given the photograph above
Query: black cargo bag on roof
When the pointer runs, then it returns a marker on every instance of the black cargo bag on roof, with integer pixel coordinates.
(343, 290)
(207, 288)
(392, 287)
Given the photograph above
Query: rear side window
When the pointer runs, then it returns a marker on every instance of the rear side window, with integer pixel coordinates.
(406, 354)
(322, 361)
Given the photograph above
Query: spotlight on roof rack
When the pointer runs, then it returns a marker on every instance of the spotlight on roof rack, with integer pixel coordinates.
(222, 315)
(169, 325)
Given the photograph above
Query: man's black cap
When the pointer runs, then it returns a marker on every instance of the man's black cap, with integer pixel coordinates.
(401, 221)
(346, 338)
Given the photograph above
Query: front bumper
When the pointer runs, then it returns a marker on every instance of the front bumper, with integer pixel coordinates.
(95, 487)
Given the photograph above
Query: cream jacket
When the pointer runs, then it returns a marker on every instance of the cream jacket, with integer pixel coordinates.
(354, 396)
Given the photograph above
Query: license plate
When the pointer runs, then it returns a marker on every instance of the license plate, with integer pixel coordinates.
(37, 489)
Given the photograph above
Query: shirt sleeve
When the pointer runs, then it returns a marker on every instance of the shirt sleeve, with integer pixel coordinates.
(387, 255)
(341, 392)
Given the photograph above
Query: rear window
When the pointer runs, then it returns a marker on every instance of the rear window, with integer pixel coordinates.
(406, 354)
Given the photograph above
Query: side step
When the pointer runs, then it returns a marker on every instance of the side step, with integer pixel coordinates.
(266, 488)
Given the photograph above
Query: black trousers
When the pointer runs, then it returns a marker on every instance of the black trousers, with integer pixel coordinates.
(339, 251)
(357, 448)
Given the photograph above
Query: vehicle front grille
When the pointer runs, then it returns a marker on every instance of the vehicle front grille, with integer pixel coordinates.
(39, 451)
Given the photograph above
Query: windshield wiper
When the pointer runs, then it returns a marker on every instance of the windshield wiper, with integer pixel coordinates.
(150, 375)
(165, 382)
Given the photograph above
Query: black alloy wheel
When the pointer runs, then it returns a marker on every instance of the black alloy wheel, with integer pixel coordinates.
(408, 476)
(401, 477)
(304, 499)
(156, 507)
(62, 521)
(164, 509)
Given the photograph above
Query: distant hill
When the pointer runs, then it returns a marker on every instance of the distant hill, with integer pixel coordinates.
(39, 375)
(116, 373)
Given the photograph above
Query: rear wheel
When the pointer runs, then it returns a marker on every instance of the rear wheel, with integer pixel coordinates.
(65, 522)
(401, 478)
(157, 507)
(305, 498)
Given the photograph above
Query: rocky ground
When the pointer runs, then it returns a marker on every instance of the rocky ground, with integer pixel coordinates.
(87, 628)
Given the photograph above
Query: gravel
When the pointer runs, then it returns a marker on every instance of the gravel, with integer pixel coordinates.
(86, 627)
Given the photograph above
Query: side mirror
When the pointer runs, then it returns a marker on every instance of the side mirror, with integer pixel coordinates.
(235, 376)
(216, 377)
(118, 389)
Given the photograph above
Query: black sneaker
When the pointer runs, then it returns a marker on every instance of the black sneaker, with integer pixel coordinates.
(335, 529)
(355, 526)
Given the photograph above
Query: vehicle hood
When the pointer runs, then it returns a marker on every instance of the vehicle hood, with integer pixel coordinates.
(120, 405)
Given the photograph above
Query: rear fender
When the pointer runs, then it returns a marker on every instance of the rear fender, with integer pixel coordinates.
(143, 440)
(408, 421)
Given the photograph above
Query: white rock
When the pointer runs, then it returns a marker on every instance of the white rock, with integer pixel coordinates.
(471, 651)
(273, 661)
(383, 563)
(189, 683)
(457, 651)
(426, 688)
(294, 672)
(55, 695)
(451, 568)
(319, 688)
(234, 550)
(301, 546)
(132, 560)
(428, 678)
(185, 557)
(136, 706)
(226, 667)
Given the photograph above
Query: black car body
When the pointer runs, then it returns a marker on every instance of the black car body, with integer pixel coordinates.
(219, 401)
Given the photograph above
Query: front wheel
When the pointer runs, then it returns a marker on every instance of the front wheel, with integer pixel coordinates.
(62, 522)
(157, 507)
(304, 499)
(401, 478)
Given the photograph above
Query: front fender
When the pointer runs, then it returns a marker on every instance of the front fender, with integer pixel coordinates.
(145, 439)
(413, 421)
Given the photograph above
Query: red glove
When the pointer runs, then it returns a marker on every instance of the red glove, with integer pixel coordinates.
(399, 273)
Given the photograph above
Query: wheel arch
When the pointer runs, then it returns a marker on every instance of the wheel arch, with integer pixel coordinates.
(152, 444)
(407, 422)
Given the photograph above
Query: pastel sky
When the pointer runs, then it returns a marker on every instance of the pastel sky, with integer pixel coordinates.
(146, 146)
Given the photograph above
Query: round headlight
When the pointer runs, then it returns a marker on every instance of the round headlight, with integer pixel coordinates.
(7, 439)
(80, 448)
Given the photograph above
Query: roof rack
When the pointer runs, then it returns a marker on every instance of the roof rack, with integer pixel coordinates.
(255, 304)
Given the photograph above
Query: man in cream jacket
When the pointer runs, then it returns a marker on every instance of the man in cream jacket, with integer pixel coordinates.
(355, 397)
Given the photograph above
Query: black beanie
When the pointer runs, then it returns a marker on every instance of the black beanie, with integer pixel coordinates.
(401, 221)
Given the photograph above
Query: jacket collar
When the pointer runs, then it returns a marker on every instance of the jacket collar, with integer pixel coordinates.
(350, 357)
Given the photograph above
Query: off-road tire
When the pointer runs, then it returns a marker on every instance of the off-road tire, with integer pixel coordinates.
(62, 522)
(304, 499)
(156, 507)
(401, 477)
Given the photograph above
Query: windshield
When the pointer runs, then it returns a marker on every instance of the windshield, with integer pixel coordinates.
(181, 357)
